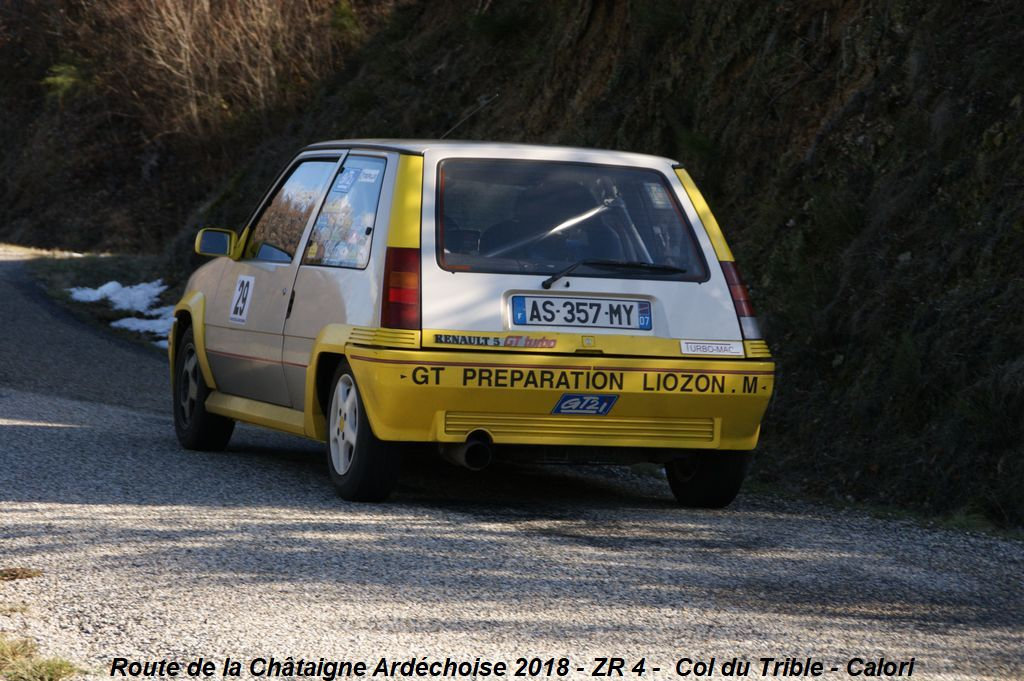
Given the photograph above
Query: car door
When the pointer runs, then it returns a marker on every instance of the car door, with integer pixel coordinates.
(338, 280)
(245, 320)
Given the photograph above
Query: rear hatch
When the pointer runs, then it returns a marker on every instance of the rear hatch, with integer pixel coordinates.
(560, 255)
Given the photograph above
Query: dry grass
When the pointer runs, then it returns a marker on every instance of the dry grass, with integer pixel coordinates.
(10, 574)
(8, 609)
(19, 662)
(190, 67)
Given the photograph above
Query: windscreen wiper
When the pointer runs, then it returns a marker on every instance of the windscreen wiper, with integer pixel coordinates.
(614, 264)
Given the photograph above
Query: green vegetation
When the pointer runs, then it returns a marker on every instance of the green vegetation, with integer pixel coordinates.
(63, 81)
(864, 158)
(19, 662)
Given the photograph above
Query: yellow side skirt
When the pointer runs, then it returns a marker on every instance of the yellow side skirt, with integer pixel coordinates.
(258, 413)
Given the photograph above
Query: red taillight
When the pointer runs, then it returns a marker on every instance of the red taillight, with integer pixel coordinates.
(741, 299)
(400, 304)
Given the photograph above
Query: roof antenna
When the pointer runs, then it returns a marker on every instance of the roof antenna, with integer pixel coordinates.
(482, 101)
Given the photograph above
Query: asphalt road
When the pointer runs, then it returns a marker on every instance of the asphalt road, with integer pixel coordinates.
(151, 552)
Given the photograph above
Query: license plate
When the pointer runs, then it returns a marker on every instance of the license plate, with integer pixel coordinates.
(588, 312)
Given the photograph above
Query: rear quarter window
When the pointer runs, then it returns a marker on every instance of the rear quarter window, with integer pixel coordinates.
(343, 230)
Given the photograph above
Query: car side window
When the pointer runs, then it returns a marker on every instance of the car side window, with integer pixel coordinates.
(278, 229)
(343, 231)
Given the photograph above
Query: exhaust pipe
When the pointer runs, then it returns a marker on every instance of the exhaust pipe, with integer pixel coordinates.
(474, 453)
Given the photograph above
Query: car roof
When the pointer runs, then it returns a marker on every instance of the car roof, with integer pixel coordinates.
(503, 149)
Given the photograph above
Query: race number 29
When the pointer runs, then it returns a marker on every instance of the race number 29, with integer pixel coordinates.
(241, 299)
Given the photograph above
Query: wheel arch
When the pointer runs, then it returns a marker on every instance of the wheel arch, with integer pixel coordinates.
(327, 353)
(190, 313)
(326, 366)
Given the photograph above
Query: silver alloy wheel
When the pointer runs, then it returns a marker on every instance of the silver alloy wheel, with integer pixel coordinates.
(344, 427)
(188, 385)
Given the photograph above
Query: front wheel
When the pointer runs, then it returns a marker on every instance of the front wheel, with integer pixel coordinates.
(195, 427)
(362, 467)
(707, 479)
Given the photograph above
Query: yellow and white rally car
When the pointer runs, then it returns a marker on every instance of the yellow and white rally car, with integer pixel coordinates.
(580, 305)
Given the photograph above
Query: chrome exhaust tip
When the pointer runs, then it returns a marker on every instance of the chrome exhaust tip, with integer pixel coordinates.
(474, 453)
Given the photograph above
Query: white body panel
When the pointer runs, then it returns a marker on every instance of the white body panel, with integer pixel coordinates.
(472, 301)
(246, 356)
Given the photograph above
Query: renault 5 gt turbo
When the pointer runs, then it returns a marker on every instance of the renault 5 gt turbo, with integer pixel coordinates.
(535, 302)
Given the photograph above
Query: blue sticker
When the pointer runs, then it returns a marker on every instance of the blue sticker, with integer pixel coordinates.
(345, 180)
(518, 310)
(592, 405)
(644, 316)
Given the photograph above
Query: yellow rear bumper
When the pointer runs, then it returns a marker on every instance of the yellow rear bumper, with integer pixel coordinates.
(440, 396)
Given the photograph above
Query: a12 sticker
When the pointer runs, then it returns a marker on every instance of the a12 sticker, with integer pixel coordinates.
(241, 300)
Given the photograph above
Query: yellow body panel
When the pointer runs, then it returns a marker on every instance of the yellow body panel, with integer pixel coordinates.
(232, 245)
(193, 302)
(240, 245)
(756, 349)
(443, 396)
(259, 413)
(549, 342)
(404, 230)
(706, 216)
(333, 339)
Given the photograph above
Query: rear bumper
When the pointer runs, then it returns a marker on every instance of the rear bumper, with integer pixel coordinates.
(440, 396)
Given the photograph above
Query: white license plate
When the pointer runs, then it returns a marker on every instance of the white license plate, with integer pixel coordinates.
(593, 312)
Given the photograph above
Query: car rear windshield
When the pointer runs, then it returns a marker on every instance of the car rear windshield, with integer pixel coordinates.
(539, 217)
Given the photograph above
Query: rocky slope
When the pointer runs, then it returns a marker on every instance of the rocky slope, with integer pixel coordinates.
(864, 158)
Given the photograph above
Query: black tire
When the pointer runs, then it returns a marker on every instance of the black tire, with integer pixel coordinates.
(195, 427)
(361, 466)
(707, 479)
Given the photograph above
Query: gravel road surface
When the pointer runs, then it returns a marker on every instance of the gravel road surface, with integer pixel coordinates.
(151, 552)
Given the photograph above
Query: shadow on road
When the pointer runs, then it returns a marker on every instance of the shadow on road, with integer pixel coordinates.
(265, 513)
(82, 474)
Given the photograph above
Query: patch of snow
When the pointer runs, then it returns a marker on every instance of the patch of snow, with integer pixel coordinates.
(93, 295)
(137, 298)
(166, 311)
(160, 327)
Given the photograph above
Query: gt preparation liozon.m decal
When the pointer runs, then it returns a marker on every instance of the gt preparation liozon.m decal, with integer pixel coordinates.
(527, 302)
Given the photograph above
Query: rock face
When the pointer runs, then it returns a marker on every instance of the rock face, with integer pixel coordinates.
(864, 158)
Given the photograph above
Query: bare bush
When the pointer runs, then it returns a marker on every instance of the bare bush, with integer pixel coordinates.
(191, 66)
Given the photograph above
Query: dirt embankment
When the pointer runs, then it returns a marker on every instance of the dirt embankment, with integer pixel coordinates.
(864, 158)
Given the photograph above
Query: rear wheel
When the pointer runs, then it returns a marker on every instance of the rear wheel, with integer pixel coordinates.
(362, 467)
(195, 427)
(707, 479)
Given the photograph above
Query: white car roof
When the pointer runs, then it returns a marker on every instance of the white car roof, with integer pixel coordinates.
(499, 149)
